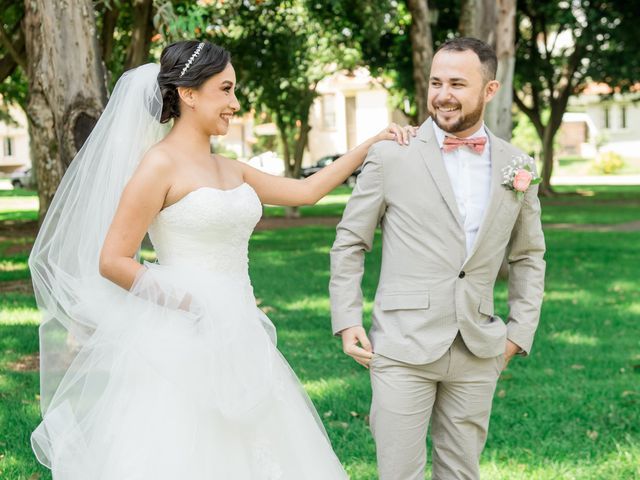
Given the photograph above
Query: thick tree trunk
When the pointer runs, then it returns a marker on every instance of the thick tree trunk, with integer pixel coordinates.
(478, 19)
(67, 90)
(421, 53)
(498, 114)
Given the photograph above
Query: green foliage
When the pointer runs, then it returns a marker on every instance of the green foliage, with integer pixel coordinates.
(281, 53)
(381, 31)
(13, 88)
(524, 135)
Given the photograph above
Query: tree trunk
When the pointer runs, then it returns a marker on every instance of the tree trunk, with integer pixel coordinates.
(289, 212)
(301, 144)
(138, 50)
(498, 114)
(421, 53)
(109, 22)
(547, 161)
(67, 90)
(477, 19)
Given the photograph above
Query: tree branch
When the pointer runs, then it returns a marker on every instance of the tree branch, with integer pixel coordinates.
(533, 115)
(7, 66)
(17, 50)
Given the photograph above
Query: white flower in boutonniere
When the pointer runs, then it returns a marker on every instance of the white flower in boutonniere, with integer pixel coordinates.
(520, 175)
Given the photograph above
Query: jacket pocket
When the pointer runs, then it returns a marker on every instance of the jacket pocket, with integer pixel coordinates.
(486, 307)
(405, 301)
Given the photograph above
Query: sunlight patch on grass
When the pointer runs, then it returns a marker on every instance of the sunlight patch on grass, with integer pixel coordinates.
(19, 316)
(574, 338)
(12, 265)
(634, 308)
(622, 462)
(336, 199)
(313, 303)
(9, 204)
(361, 470)
(325, 387)
(567, 295)
(148, 255)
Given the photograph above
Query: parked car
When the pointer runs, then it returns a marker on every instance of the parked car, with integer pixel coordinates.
(268, 162)
(22, 178)
(328, 160)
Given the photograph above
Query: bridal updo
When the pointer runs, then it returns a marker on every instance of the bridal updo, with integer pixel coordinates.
(198, 64)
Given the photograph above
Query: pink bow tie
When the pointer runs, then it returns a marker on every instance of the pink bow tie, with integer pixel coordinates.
(476, 144)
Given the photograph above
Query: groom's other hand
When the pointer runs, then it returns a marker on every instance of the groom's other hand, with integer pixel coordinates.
(510, 350)
(353, 336)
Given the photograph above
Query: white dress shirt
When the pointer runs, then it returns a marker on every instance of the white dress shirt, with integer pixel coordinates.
(470, 175)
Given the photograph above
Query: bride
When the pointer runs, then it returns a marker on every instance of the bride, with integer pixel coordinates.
(168, 370)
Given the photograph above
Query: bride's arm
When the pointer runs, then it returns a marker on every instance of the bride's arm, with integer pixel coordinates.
(276, 190)
(141, 200)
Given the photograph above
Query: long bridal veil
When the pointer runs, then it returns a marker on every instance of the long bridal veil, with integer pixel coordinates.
(64, 260)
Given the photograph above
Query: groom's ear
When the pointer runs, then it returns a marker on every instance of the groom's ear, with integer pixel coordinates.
(490, 90)
(186, 95)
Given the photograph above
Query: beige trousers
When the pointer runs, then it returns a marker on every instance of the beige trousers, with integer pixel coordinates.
(455, 392)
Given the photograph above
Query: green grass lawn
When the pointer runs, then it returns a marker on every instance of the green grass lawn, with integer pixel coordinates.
(569, 411)
(589, 204)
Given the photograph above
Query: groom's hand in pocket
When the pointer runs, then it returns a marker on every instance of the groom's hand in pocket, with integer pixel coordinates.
(356, 344)
(510, 350)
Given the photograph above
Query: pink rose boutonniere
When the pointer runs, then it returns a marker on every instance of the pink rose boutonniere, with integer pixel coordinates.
(520, 175)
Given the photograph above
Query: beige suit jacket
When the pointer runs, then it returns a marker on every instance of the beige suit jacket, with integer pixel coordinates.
(429, 287)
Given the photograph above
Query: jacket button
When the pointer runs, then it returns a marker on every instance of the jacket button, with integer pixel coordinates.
(462, 274)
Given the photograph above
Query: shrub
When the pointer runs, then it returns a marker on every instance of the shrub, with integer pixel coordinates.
(608, 163)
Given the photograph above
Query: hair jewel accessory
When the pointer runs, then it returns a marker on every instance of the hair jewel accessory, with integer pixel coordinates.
(192, 58)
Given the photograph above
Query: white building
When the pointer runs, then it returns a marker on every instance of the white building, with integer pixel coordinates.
(14, 147)
(351, 107)
(600, 119)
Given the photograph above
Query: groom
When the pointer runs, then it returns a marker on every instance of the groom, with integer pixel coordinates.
(437, 348)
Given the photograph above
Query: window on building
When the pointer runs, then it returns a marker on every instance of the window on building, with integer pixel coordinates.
(329, 111)
(606, 117)
(623, 116)
(8, 146)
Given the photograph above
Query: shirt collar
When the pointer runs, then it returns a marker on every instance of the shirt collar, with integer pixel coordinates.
(440, 134)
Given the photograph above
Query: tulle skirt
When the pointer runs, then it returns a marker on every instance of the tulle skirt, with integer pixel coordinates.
(181, 379)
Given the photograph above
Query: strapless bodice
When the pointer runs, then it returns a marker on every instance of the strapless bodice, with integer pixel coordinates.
(208, 228)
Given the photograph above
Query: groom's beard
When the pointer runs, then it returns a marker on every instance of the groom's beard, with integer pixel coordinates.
(463, 123)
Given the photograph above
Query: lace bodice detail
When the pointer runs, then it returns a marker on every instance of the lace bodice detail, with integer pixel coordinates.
(208, 228)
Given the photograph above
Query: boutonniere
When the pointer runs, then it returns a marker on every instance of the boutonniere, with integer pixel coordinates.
(519, 175)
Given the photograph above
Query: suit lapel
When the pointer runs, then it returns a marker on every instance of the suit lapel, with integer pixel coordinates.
(435, 164)
(499, 160)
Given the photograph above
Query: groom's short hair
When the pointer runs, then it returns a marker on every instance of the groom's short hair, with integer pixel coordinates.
(484, 51)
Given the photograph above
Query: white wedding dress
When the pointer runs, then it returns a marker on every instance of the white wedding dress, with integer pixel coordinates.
(182, 379)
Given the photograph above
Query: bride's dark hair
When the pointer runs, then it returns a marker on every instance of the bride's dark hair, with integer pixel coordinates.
(212, 59)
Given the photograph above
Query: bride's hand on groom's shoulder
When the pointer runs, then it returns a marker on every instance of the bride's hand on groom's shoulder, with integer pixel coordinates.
(361, 353)
(397, 133)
